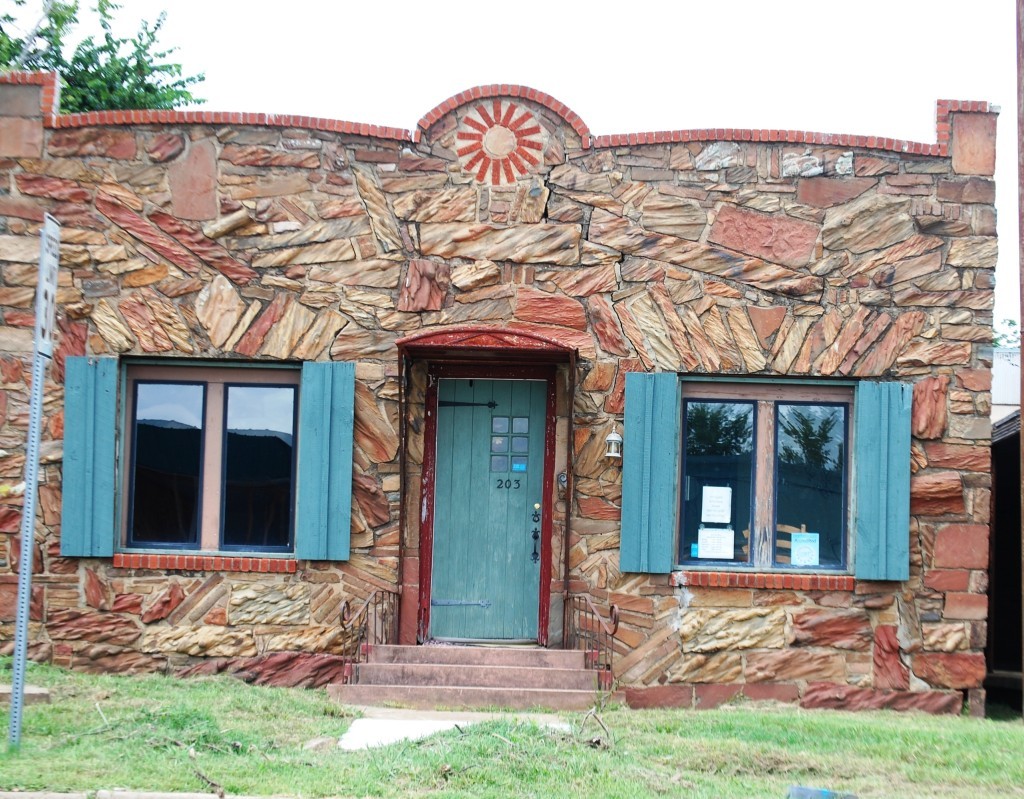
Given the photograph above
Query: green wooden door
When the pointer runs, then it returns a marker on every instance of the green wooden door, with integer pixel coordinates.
(489, 476)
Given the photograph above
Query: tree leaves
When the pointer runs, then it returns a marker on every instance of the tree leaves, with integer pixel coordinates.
(718, 428)
(808, 437)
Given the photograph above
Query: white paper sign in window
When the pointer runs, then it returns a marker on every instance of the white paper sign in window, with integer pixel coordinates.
(715, 543)
(716, 505)
(805, 549)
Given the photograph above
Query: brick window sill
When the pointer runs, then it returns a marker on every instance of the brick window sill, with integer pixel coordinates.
(770, 580)
(225, 563)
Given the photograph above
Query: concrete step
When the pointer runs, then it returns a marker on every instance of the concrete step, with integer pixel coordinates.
(526, 657)
(461, 697)
(472, 676)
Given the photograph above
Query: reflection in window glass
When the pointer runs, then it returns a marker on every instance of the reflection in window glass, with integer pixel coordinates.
(166, 464)
(719, 466)
(259, 457)
(499, 443)
(521, 424)
(499, 424)
(810, 475)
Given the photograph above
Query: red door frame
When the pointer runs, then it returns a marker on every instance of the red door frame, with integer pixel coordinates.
(437, 370)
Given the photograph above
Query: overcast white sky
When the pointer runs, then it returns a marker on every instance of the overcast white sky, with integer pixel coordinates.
(868, 67)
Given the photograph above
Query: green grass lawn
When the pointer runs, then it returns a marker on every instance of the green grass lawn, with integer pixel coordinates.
(158, 733)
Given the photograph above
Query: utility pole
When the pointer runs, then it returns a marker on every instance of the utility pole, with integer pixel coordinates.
(1020, 250)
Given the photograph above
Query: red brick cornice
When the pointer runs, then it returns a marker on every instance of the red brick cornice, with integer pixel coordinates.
(941, 148)
(505, 90)
(228, 118)
(51, 88)
(154, 117)
(50, 105)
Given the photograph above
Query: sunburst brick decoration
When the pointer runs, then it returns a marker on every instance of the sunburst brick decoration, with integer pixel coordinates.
(500, 144)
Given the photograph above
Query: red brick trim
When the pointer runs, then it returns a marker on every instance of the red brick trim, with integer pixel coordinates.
(51, 102)
(50, 106)
(166, 562)
(153, 117)
(773, 580)
(940, 148)
(504, 90)
(943, 124)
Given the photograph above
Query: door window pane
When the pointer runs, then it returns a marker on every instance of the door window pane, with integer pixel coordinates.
(810, 475)
(259, 458)
(166, 465)
(719, 467)
(499, 424)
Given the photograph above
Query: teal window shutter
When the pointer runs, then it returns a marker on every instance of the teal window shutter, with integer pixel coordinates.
(323, 524)
(89, 471)
(882, 480)
(650, 473)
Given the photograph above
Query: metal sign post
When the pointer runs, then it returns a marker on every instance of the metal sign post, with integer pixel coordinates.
(46, 296)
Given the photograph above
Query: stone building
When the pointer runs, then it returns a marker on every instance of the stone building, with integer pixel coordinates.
(304, 360)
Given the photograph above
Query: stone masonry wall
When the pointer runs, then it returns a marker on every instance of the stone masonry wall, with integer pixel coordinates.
(200, 235)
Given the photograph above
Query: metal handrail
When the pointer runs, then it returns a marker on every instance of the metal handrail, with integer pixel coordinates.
(586, 629)
(375, 622)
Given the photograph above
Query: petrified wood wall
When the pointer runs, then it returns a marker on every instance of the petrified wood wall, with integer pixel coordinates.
(723, 252)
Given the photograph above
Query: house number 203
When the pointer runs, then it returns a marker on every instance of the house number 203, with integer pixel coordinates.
(513, 484)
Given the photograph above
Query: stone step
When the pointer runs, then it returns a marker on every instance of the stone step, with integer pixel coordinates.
(525, 657)
(420, 697)
(473, 676)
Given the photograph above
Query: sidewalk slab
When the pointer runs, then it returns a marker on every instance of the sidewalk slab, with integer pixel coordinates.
(41, 795)
(34, 695)
(380, 726)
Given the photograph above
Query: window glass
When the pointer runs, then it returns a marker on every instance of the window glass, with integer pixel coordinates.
(166, 464)
(719, 467)
(810, 477)
(765, 475)
(259, 458)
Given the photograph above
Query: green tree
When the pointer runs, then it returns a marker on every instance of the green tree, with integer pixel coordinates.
(718, 429)
(808, 441)
(1007, 333)
(108, 73)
